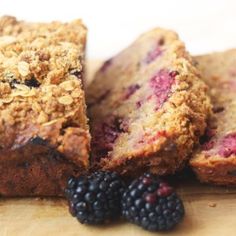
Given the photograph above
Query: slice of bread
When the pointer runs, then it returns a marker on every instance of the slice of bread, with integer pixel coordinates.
(215, 160)
(148, 107)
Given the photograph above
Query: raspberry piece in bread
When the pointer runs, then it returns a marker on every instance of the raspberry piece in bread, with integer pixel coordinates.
(215, 160)
(147, 106)
(44, 134)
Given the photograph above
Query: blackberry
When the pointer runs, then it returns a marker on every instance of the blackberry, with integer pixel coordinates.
(95, 199)
(152, 204)
(32, 83)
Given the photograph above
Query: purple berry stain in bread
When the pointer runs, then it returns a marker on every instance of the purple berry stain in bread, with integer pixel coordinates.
(153, 54)
(130, 91)
(105, 65)
(105, 135)
(208, 145)
(161, 84)
(138, 104)
(228, 145)
(206, 140)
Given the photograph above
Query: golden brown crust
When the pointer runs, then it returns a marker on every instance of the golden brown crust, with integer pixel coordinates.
(41, 96)
(215, 171)
(145, 131)
(162, 163)
(215, 161)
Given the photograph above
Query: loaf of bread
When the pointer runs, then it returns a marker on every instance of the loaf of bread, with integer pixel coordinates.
(44, 135)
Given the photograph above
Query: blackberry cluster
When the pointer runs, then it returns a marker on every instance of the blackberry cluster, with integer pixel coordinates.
(152, 204)
(102, 197)
(95, 199)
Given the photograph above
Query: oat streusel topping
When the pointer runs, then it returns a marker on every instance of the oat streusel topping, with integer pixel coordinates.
(40, 75)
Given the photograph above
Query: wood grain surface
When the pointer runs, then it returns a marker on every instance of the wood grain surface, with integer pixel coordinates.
(209, 211)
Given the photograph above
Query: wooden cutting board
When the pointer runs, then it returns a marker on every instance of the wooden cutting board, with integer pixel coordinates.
(209, 211)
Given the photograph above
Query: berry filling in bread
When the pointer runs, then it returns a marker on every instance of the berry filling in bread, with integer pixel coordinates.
(130, 91)
(225, 146)
(206, 140)
(228, 145)
(153, 54)
(105, 65)
(161, 85)
(106, 134)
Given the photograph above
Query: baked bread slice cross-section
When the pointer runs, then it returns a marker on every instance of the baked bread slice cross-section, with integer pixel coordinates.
(215, 159)
(44, 135)
(148, 107)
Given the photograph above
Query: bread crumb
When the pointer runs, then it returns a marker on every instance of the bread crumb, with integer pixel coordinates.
(212, 204)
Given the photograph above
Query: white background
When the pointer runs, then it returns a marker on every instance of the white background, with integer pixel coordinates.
(204, 25)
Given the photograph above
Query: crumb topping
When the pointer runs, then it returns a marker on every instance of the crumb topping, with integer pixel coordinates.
(38, 82)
